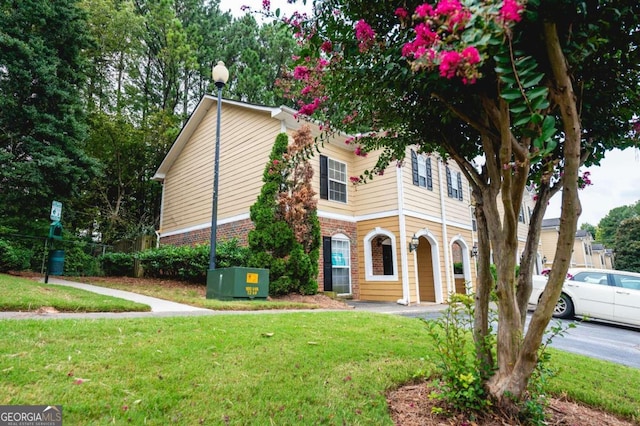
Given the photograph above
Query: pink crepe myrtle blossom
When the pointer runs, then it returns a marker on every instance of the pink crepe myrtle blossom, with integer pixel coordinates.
(402, 13)
(365, 35)
(355, 180)
(309, 109)
(301, 72)
(510, 11)
(424, 10)
(584, 180)
(471, 55)
(448, 7)
(449, 62)
(266, 5)
(360, 152)
(326, 46)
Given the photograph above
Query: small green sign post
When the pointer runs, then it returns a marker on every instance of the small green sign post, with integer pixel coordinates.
(56, 257)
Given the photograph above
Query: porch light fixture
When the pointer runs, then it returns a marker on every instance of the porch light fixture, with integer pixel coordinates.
(413, 244)
(474, 250)
(220, 75)
(544, 260)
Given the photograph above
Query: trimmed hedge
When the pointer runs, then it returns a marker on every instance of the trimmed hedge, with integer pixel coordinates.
(184, 263)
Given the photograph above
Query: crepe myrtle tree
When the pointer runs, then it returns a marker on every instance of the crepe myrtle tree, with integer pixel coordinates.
(537, 88)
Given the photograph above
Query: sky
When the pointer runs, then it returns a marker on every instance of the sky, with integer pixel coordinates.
(616, 182)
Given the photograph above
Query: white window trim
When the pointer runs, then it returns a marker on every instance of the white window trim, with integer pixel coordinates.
(368, 261)
(343, 237)
(329, 180)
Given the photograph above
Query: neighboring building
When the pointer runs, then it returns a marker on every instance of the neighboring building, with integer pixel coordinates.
(586, 253)
(366, 229)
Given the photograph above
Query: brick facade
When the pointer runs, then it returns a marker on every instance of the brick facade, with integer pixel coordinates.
(329, 228)
(240, 230)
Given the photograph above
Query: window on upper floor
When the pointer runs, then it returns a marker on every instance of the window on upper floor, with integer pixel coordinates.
(521, 215)
(333, 179)
(454, 184)
(421, 170)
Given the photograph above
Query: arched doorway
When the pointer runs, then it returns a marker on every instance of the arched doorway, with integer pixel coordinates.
(426, 279)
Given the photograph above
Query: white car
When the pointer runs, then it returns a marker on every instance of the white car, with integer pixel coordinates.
(602, 294)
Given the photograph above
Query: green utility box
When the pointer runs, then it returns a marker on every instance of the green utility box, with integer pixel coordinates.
(56, 262)
(237, 283)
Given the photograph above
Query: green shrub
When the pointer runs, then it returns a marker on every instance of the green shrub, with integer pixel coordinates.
(187, 263)
(117, 264)
(78, 261)
(13, 258)
(461, 383)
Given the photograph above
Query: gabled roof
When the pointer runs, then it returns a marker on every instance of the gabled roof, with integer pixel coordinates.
(282, 113)
(581, 233)
(550, 223)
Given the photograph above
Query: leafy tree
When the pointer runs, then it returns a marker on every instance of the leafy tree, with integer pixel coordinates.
(42, 124)
(286, 238)
(608, 226)
(627, 245)
(538, 91)
(589, 228)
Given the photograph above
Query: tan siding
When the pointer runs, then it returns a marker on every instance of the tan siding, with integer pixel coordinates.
(246, 139)
(549, 240)
(379, 194)
(380, 290)
(421, 199)
(339, 154)
(457, 211)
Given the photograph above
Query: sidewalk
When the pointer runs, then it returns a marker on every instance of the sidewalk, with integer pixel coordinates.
(165, 308)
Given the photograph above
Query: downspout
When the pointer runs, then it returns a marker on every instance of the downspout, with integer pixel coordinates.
(404, 261)
(445, 238)
(161, 215)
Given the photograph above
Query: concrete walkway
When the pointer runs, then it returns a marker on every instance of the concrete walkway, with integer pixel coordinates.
(165, 308)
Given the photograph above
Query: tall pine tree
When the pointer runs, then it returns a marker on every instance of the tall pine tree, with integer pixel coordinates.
(42, 125)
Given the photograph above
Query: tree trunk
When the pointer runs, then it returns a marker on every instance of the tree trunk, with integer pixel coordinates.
(506, 385)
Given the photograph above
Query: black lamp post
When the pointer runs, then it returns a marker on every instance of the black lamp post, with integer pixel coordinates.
(220, 76)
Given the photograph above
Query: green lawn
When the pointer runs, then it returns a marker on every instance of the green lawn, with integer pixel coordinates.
(293, 368)
(19, 294)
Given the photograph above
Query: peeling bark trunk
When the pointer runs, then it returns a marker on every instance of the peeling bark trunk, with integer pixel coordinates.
(511, 380)
(483, 291)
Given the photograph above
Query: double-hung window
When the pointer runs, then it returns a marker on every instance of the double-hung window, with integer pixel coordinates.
(421, 169)
(333, 180)
(454, 184)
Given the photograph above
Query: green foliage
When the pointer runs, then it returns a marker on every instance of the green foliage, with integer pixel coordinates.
(461, 380)
(78, 259)
(41, 116)
(117, 264)
(608, 226)
(13, 258)
(292, 264)
(187, 263)
(627, 245)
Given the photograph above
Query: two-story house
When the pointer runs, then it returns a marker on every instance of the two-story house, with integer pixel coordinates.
(586, 253)
(369, 231)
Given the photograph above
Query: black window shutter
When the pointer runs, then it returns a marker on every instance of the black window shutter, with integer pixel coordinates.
(414, 167)
(429, 175)
(327, 269)
(449, 188)
(324, 178)
(460, 186)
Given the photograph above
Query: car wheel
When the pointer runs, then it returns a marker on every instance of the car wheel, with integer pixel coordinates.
(564, 307)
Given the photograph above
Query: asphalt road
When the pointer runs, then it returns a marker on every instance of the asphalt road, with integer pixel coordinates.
(594, 339)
